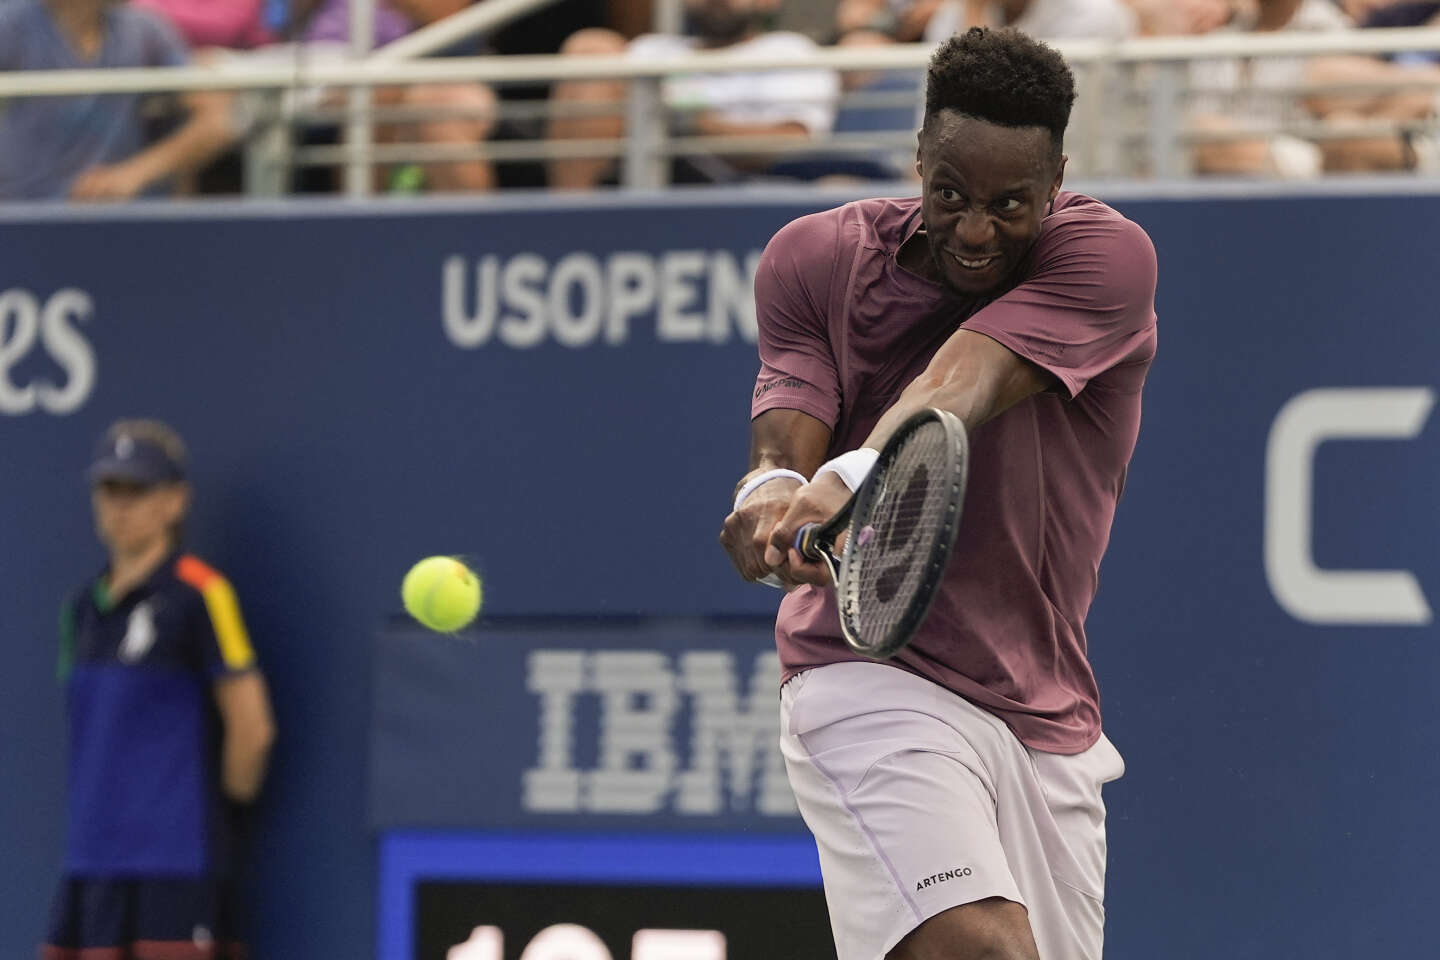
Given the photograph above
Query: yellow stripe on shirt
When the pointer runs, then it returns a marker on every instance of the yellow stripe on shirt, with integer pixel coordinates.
(230, 632)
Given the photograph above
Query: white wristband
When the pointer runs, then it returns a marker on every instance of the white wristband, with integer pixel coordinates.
(852, 468)
(754, 482)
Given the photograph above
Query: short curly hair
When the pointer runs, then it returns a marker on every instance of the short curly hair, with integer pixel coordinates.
(1004, 77)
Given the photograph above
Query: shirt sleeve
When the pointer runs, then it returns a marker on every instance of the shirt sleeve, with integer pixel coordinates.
(1087, 307)
(792, 285)
(65, 660)
(11, 38)
(164, 47)
(224, 644)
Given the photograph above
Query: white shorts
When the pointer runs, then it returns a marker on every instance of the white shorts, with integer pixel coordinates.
(920, 801)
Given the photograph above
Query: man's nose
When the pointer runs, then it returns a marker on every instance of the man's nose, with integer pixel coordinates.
(975, 232)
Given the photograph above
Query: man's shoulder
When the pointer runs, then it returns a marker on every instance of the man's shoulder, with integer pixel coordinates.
(142, 31)
(1079, 220)
(1082, 206)
(194, 575)
(870, 222)
(197, 589)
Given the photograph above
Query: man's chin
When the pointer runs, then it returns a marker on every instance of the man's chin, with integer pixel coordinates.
(721, 28)
(974, 282)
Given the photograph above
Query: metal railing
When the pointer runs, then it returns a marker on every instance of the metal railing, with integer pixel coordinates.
(1113, 119)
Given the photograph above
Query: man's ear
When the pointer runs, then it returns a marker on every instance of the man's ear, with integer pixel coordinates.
(919, 167)
(1059, 178)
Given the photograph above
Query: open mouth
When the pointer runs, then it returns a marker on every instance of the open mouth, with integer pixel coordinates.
(980, 263)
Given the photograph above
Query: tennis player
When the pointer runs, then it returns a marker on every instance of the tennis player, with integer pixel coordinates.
(955, 790)
(170, 724)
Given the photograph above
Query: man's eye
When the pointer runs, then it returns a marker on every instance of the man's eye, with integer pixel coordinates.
(1009, 205)
(949, 196)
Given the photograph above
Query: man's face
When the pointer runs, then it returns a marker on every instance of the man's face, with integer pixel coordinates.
(985, 190)
(725, 21)
(130, 517)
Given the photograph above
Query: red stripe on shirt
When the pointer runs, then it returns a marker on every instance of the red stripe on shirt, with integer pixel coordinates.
(196, 572)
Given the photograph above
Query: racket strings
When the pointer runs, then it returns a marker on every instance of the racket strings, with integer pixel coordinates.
(893, 545)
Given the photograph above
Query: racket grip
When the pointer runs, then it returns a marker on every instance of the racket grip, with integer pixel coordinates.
(805, 541)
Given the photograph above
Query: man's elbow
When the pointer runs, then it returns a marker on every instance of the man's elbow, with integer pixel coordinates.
(211, 116)
(220, 131)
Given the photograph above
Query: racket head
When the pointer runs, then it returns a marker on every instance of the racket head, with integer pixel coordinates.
(902, 526)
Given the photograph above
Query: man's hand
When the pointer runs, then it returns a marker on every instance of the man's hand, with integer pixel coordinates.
(815, 502)
(746, 533)
(118, 182)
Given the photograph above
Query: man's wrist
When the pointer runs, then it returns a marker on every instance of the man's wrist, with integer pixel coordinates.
(142, 170)
(755, 482)
(851, 468)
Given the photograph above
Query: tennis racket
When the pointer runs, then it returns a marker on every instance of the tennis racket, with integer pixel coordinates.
(897, 532)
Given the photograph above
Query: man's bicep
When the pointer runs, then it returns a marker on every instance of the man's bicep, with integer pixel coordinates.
(789, 439)
(243, 700)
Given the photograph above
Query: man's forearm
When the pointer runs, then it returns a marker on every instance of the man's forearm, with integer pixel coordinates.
(786, 440)
(203, 136)
(243, 761)
(973, 377)
(922, 393)
(711, 124)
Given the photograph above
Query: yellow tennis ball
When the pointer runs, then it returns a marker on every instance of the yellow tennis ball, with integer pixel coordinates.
(442, 593)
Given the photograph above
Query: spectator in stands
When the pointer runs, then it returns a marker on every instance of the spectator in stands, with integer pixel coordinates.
(872, 22)
(901, 21)
(1169, 18)
(95, 147)
(1361, 11)
(1403, 14)
(229, 24)
(1251, 95)
(1046, 19)
(907, 21)
(794, 104)
(461, 113)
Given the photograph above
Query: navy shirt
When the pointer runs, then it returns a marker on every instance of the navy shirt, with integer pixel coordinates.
(46, 142)
(145, 793)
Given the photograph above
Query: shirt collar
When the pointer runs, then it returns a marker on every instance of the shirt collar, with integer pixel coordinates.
(106, 603)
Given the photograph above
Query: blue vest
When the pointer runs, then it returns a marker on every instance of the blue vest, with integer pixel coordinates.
(145, 794)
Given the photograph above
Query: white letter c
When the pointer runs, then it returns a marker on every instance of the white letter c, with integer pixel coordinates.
(1304, 590)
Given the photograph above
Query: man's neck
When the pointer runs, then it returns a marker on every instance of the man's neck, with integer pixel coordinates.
(81, 20)
(914, 256)
(707, 43)
(1277, 15)
(129, 570)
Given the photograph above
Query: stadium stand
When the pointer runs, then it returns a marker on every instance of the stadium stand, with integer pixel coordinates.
(442, 109)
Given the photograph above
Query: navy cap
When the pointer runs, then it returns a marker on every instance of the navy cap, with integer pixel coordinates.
(123, 456)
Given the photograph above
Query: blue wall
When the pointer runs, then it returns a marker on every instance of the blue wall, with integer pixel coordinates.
(347, 418)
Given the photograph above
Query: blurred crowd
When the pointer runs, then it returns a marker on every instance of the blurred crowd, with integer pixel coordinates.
(1247, 117)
